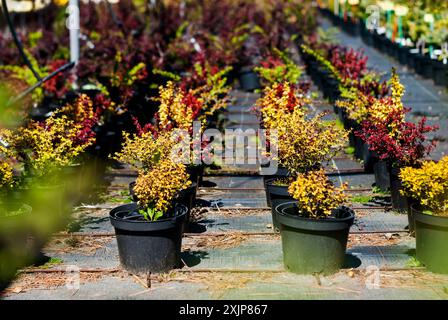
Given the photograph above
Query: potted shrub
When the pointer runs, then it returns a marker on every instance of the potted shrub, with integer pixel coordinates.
(314, 228)
(144, 150)
(393, 139)
(399, 143)
(429, 186)
(303, 144)
(278, 68)
(149, 233)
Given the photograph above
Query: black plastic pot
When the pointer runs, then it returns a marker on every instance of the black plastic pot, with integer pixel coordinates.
(411, 202)
(18, 245)
(440, 73)
(411, 57)
(431, 234)
(185, 197)
(399, 202)
(368, 158)
(275, 195)
(281, 173)
(423, 66)
(402, 52)
(196, 174)
(382, 175)
(313, 245)
(145, 246)
(249, 81)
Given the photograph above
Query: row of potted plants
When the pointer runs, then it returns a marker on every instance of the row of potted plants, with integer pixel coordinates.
(307, 209)
(427, 186)
(41, 178)
(398, 149)
(373, 111)
(149, 231)
(415, 34)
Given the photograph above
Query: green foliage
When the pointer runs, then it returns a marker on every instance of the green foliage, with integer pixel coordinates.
(350, 150)
(287, 71)
(377, 190)
(323, 61)
(25, 74)
(329, 35)
(151, 214)
(361, 199)
(166, 74)
(414, 263)
(34, 37)
(51, 262)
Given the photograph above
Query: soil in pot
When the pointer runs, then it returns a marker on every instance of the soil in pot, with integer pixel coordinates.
(431, 233)
(145, 246)
(313, 245)
(275, 189)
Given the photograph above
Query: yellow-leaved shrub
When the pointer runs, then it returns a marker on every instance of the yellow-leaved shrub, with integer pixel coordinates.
(316, 196)
(157, 187)
(304, 144)
(428, 184)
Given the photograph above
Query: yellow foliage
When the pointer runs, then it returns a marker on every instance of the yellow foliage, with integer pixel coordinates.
(173, 112)
(157, 187)
(428, 184)
(361, 107)
(316, 195)
(145, 151)
(305, 144)
(355, 103)
(277, 100)
(52, 144)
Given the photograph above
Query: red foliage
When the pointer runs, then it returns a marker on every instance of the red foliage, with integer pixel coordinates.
(351, 64)
(59, 85)
(406, 147)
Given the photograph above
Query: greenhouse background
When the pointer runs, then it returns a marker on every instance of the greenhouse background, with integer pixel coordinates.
(216, 150)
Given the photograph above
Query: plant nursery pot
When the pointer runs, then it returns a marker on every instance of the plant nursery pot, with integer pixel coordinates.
(390, 47)
(427, 67)
(185, 197)
(382, 175)
(411, 220)
(145, 246)
(368, 158)
(402, 52)
(313, 245)
(383, 43)
(249, 81)
(281, 173)
(431, 235)
(421, 64)
(368, 37)
(276, 192)
(411, 57)
(196, 174)
(399, 202)
(440, 73)
(17, 242)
